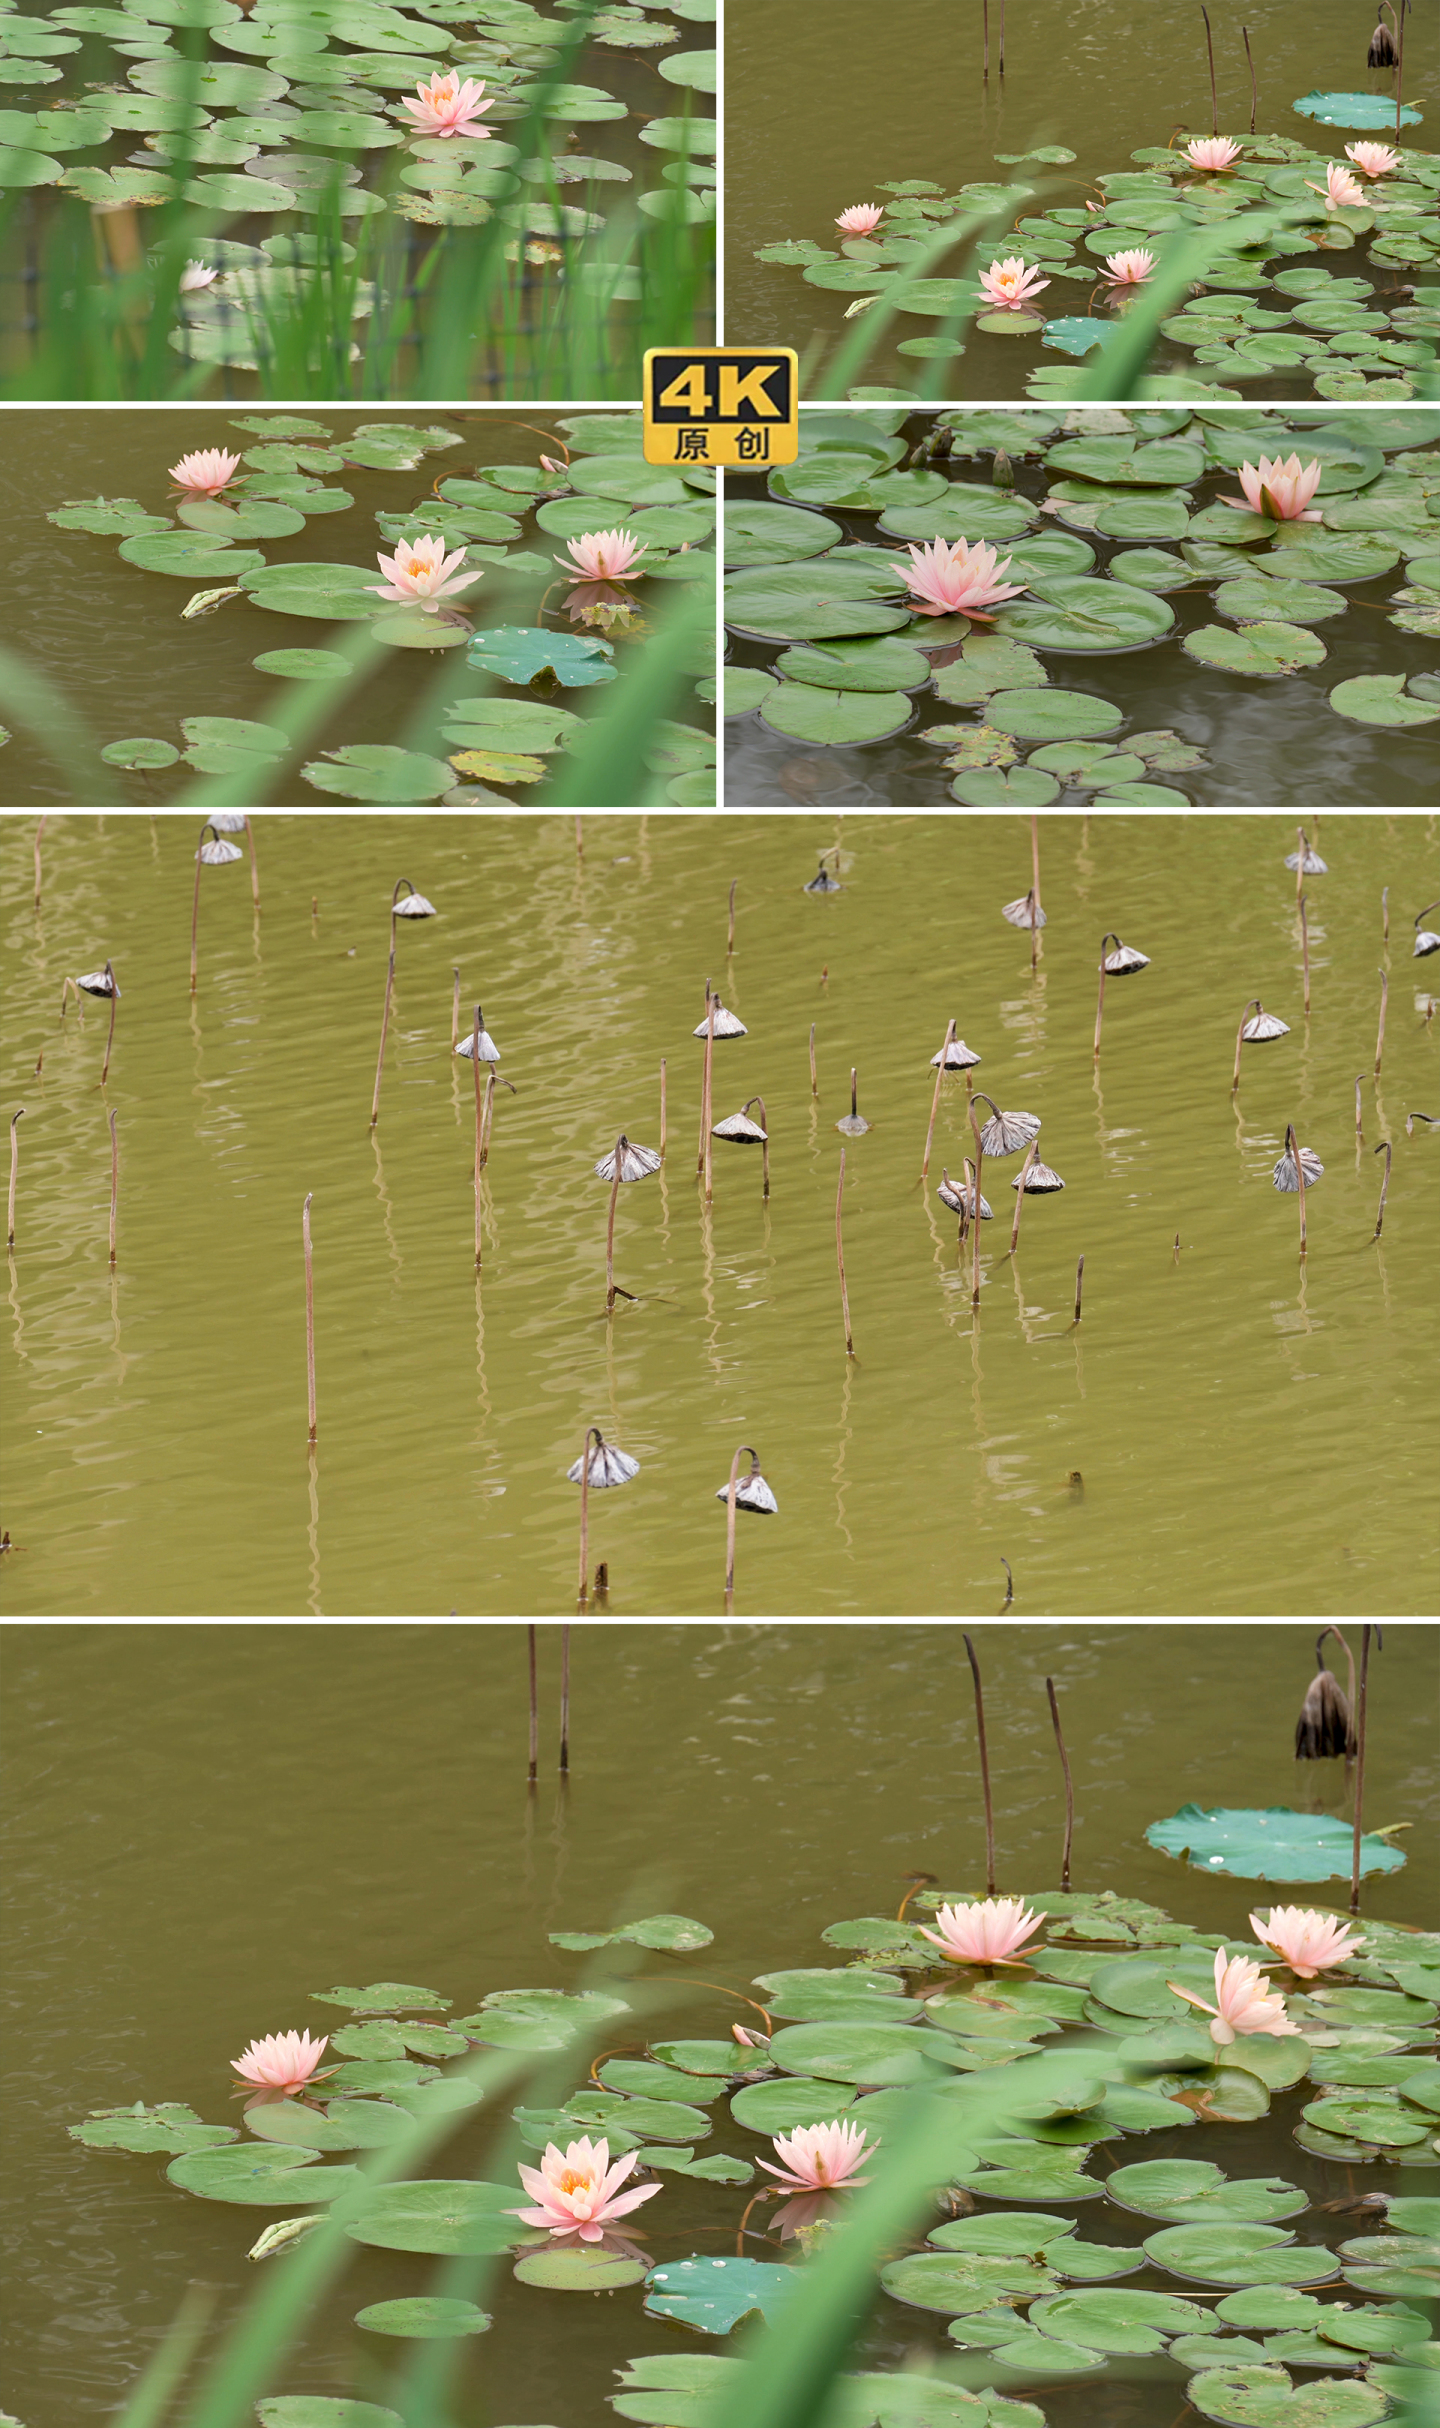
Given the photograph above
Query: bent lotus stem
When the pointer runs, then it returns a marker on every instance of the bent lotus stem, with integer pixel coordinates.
(662, 1108)
(595, 1432)
(479, 1128)
(1254, 1005)
(1380, 1032)
(1305, 952)
(732, 1490)
(814, 1074)
(18, 1115)
(114, 1184)
(764, 1143)
(1385, 1150)
(610, 1242)
(67, 989)
(947, 1042)
(840, 1257)
(984, 1753)
(1034, 872)
(1030, 1154)
(1359, 1771)
(488, 1117)
(403, 886)
(254, 871)
(1210, 49)
(534, 1769)
(1079, 1284)
(309, 1311)
(565, 1696)
(110, 1039)
(730, 939)
(1069, 1784)
(39, 838)
(1359, 1133)
(1250, 63)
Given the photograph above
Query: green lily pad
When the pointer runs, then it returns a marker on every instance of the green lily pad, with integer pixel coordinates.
(1052, 715)
(1315, 557)
(107, 515)
(953, 2282)
(369, 2124)
(438, 2216)
(1191, 2192)
(1256, 649)
(330, 593)
(323, 2411)
(1239, 2255)
(303, 666)
(1381, 699)
(1078, 613)
(852, 2052)
(380, 1997)
(834, 718)
(379, 771)
(1276, 1844)
(191, 556)
(779, 2107)
(171, 2126)
(878, 665)
(715, 2293)
(966, 512)
(519, 654)
(1363, 110)
(1119, 2320)
(1249, 2397)
(294, 2126)
(745, 689)
(425, 2317)
(140, 750)
(1384, 2123)
(1255, 598)
(260, 2175)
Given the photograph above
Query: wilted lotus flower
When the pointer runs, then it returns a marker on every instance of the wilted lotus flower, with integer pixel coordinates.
(1024, 913)
(1128, 269)
(956, 1056)
(740, 1130)
(408, 904)
(819, 2158)
(989, 1932)
(1009, 284)
(956, 578)
(229, 821)
(852, 1124)
(285, 2061)
(216, 853)
(1373, 159)
(726, 1024)
(1310, 1942)
(1285, 1177)
(822, 882)
(196, 275)
(962, 1200)
(448, 105)
(578, 2191)
(488, 1050)
(1281, 490)
(752, 1492)
(1307, 862)
(99, 982)
(421, 570)
(206, 472)
(1244, 2001)
(862, 219)
(1262, 1025)
(1340, 189)
(603, 556)
(1426, 940)
(1037, 1179)
(1007, 1133)
(1212, 152)
(1124, 961)
(635, 1163)
(607, 1465)
(1325, 1727)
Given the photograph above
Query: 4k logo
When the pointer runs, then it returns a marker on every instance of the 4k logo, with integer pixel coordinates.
(715, 405)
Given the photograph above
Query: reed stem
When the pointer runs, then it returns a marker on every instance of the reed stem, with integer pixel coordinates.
(1210, 48)
(384, 1030)
(479, 1129)
(840, 1257)
(1359, 1770)
(39, 834)
(565, 1698)
(530, 1647)
(1293, 1147)
(1079, 1285)
(814, 1074)
(1069, 1786)
(1400, 80)
(702, 1160)
(975, 1209)
(1359, 1133)
(1384, 1149)
(455, 1014)
(1385, 914)
(985, 19)
(114, 1184)
(730, 939)
(1252, 1006)
(110, 1038)
(489, 1119)
(194, 918)
(1380, 1032)
(1250, 62)
(14, 1170)
(948, 1041)
(730, 1494)
(984, 1765)
(1030, 1154)
(309, 1311)
(610, 1241)
(1034, 884)
(662, 1107)
(1002, 37)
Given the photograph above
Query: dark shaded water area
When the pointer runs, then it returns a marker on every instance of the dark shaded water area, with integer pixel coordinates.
(208, 1824)
(820, 113)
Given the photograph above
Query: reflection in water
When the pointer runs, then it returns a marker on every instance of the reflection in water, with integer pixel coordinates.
(312, 1461)
(386, 1209)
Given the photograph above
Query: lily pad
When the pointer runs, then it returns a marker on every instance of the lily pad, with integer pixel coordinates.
(260, 2175)
(1239, 2255)
(1256, 649)
(1079, 613)
(1381, 699)
(302, 665)
(140, 750)
(425, 2317)
(1276, 1844)
(1119, 2320)
(1191, 2192)
(329, 593)
(956, 2281)
(381, 1998)
(835, 718)
(1052, 715)
(715, 2293)
(171, 2126)
(379, 771)
(778, 2107)
(518, 654)
(1249, 2397)
(877, 665)
(440, 2216)
(745, 689)
(1364, 110)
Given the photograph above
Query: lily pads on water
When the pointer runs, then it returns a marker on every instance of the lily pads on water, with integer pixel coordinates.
(262, 2176)
(1276, 1844)
(171, 2126)
(520, 655)
(1250, 2397)
(676, 1934)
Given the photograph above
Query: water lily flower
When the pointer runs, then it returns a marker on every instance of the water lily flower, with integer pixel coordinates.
(550, 463)
(421, 570)
(1128, 269)
(206, 472)
(1373, 159)
(1340, 189)
(819, 2157)
(989, 1932)
(1245, 2001)
(862, 219)
(1212, 152)
(447, 105)
(196, 274)
(1309, 1942)
(747, 2040)
(1281, 489)
(956, 579)
(603, 556)
(1009, 284)
(284, 2061)
(578, 2191)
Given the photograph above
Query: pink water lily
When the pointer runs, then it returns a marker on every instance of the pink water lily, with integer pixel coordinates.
(820, 2157)
(956, 579)
(603, 556)
(578, 2191)
(747, 2039)
(448, 105)
(1212, 152)
(1309, 1942)
(285, 2061)
(1340, 189)
(1281, 489)
(862, 219)
(195, 275)
(1373, 159)
(1245, 2001)
(420, 570)
(1128, 269)
(206, 472)
(989, 1932)
(1009, 284)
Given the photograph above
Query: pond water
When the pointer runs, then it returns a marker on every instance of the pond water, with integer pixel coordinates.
(817, 121)
(111, 636)
(209, 1824)
(1172, 665)
(1225, 1432)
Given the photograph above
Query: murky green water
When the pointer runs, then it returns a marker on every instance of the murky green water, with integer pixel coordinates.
(206, 1825)
(819, 116)
(1251, 1438)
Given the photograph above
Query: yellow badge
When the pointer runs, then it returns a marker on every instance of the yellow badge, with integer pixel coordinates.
(716, 405)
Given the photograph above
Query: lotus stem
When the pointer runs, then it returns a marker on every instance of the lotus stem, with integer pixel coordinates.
(1107, 938)
(194, 916)
(1030, 1153)
(1399, 92)
(1002, 37)
(1034, 874)
(1305, 952)
(985, 18)
(730, 939)
(1380, 1032)
(702, 1161)
(110, 1039)
(1254, 99)
(1385, 914)
(14, 1170)
(1359, 1770)
(1384, 1149)
(534, 1769)
(1254, 1005)
(384, 1030)
(764, 1143)
(114, 1184)
(610, 1240)
(1359, 1133)
(1302, 855)
(1079, 1284)
(1009, 1582)
(1069, 1785)
(947, 1042)
(489, 1115)
(579, 836)
(975, 1212)
(455, 1014)
(565, 1699)
(840, 1257)
(254, 871)
(730, 1492)
(1210, 48)
(67, 989)
(479, 1129)
(985, 1759)
(309, 1310)
(662, 1107)
(814, 1075)
(39, 835)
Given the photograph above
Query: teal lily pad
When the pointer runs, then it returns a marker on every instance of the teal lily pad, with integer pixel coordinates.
(714, 2293)
(1277, 1844)
(519, 653)
(1363, 110)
